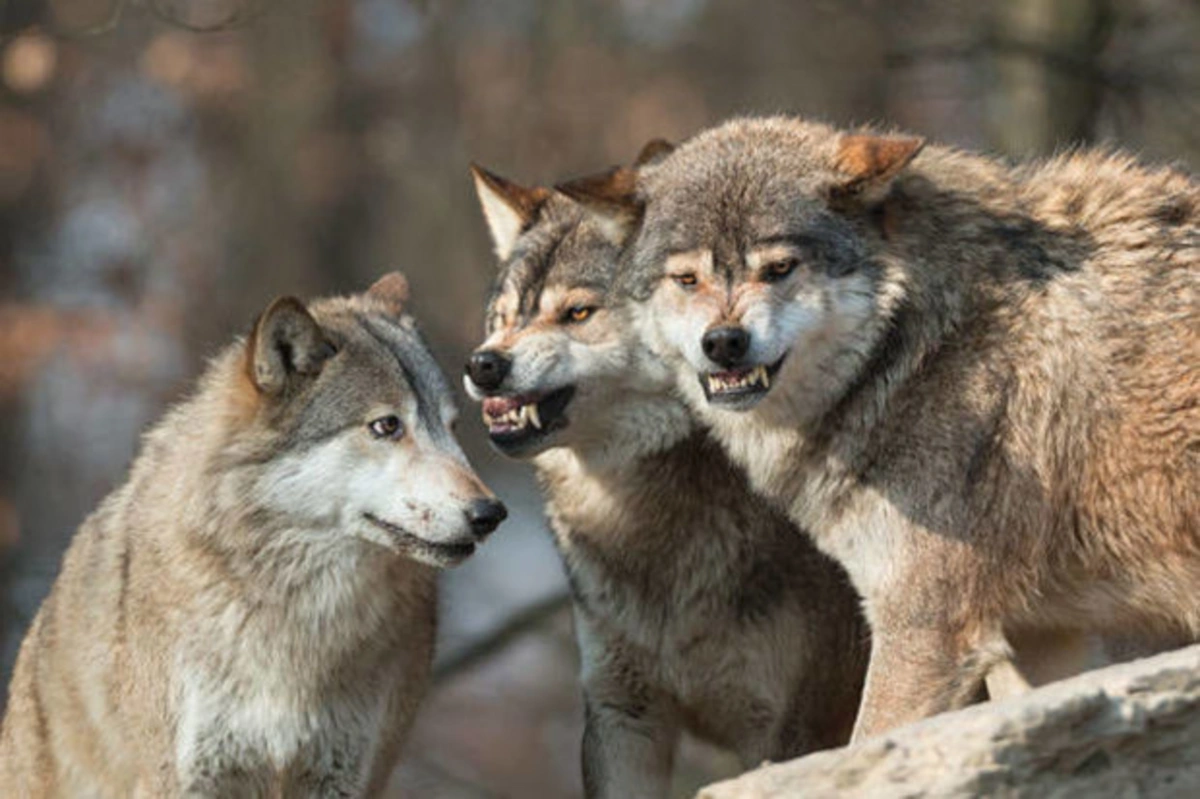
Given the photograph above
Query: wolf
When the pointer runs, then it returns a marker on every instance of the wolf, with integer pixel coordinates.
(976, 384)
(252, 613)
(697, 605)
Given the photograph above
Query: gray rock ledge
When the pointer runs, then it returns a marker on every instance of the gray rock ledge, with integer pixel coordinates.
(1131, 730)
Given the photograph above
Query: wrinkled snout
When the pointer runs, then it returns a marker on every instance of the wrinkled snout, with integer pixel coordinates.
(726, 345)
(487, 369)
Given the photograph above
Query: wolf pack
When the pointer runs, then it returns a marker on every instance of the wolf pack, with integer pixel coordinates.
(836, 430)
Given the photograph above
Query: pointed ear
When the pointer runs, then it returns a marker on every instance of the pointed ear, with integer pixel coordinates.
(391, 291)
(867, 164)
(653, 150)
(612, 199)
(287, 343)
(508, 208)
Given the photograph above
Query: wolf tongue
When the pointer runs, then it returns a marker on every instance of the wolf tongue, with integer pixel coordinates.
(498, 406)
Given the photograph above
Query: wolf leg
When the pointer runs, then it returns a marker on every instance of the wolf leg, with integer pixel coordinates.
(628, 749)
(221, 766)
(333, 766)
(1041, 657)
(914, 674)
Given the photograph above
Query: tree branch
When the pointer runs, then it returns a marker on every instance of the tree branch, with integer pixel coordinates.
(487, 645)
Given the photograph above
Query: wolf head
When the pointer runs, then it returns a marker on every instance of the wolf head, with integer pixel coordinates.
(758, 247)
(560, 357)
(348, 428)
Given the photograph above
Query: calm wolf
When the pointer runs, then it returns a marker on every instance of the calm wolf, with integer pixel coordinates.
(252, 613)
(697, 605)
(976, 384)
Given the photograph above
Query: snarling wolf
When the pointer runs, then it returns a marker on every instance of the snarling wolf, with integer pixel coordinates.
(252, 613)
(697, 605)
(977, 385)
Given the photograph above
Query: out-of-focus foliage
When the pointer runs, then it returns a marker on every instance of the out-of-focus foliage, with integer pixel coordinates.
(158, 186)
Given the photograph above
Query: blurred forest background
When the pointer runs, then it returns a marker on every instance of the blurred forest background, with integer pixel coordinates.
(168, 166)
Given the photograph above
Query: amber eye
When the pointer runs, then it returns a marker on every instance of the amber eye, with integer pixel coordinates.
(388, 426)
(579, 313)
(778, 270)
(687, 279)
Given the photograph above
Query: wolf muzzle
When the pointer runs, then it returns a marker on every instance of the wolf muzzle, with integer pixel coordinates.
(726, 345)
(487, 369)
(485, 515)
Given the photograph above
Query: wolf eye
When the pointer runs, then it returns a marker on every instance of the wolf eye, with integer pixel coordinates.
(687, 279)
(579, 313)
(388, 426)
(778, 270)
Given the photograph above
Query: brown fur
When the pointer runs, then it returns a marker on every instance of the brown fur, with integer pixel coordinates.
(698, 606)
(990, 411)
(203, 640)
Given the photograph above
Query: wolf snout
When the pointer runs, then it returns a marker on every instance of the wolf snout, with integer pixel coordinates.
(487, 369)
(485, 515)
(726, 345)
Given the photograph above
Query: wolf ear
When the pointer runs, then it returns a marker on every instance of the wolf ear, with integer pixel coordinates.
(286, 343)
(653, 150)
(508, 208)
(611, 198)
(392, 291)
(866, 164)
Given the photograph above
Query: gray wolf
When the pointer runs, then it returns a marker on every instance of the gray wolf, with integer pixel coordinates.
(697, 605)
(252, 613)
(977, 385)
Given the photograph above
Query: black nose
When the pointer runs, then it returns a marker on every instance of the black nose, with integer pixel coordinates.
(487, 369)
(726, 345)
(485, 515)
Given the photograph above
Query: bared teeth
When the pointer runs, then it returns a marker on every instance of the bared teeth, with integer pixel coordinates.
(519, 417)
(757, 376)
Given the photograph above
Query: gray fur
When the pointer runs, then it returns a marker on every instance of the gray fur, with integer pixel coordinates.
(989, 407)
(697, 605)
(229, 622)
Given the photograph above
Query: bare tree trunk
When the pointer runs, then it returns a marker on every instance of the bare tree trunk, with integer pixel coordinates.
(273, 246)
(1049, 86)
(94, 288)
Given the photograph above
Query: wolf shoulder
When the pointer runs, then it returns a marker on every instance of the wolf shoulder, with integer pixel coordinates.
(1087, 264)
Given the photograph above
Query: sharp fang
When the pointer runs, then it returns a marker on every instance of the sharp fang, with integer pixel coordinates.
(532, 412)
(764, 377)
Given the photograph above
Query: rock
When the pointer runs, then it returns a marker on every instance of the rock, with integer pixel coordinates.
(1131, 730)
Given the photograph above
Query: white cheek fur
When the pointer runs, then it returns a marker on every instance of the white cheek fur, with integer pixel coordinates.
(682, 334)
(536, 362)
(774, 330)
(412, 485)
(310, 485)
(816, 318)
(590, 361)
